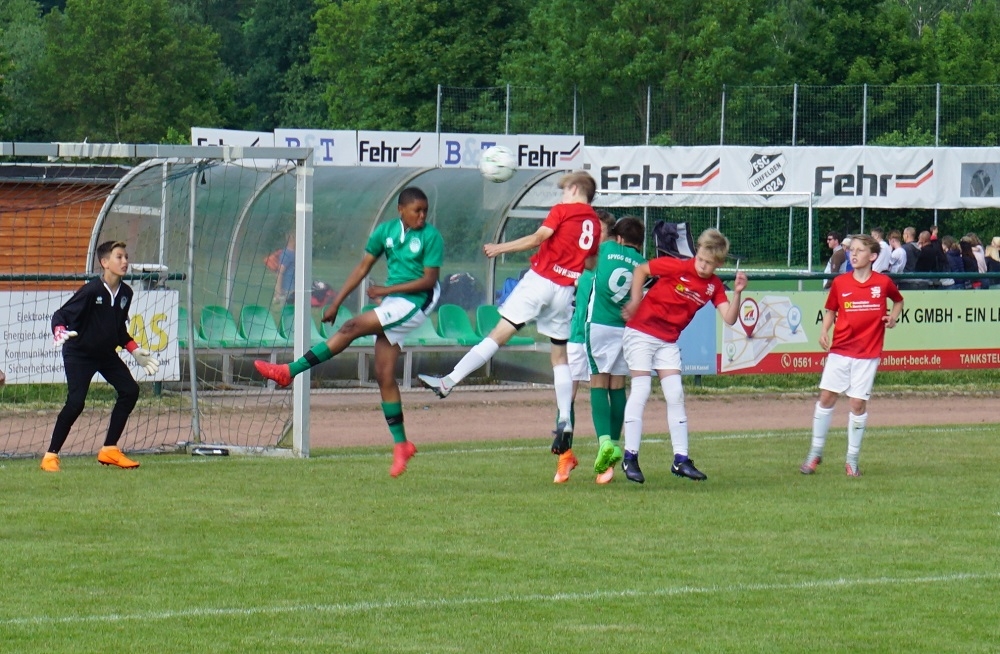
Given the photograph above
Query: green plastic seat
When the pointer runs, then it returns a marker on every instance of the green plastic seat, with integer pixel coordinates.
(286, 327)
(453, 322)
(219, 329)
(426, 334)
(487, 317)
(258, 328)
(182, 330)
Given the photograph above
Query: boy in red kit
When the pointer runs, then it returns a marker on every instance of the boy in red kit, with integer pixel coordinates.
(567, 243)
(654, 323)
(857, 310)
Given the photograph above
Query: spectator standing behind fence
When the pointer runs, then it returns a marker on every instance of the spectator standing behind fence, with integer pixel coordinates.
(897, 258)
(953, 255)
(977, 251)
(971, 264)
(884, 253)
(835, 264)
(911, 248)
(993, 255)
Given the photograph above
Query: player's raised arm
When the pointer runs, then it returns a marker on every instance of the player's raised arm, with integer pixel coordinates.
(529, 242)
(730, 311)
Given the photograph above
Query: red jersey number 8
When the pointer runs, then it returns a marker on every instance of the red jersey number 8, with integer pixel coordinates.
(587, 236)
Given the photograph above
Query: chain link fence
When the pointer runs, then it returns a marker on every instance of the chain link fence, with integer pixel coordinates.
(925, 115)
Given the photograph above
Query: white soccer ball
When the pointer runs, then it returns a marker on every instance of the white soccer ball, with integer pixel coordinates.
(498, 164)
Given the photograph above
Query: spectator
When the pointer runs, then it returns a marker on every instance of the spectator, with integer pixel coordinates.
(971, 263)
(934, 232)
(927, 260)
(837, 260)
(881, 264)
(993, 255)
(846, 243)
(977, 251)
(911, 248)
(897, 259)
(953, 255)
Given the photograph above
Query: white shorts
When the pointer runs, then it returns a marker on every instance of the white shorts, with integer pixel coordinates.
(579, 367)
(646, 353)
(547, 303)
(398, 316)
(605, 350)
(855, 377)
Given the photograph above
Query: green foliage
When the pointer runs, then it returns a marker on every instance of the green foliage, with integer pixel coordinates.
(380, 62)
(475, 550)
(22, 45)
(146, 69)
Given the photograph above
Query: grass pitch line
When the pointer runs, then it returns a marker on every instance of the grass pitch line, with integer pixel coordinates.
(364, 607)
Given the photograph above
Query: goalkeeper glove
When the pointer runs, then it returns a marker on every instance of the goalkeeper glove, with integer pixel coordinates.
(60, 335)
(144, 358)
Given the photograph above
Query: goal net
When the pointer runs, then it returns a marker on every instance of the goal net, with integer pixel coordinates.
(767, 232)
(199, 224)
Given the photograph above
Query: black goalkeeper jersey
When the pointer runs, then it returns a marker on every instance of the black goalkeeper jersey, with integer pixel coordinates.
(101, 322)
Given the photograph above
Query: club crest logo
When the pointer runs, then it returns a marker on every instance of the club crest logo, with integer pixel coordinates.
(414, 245)
(123, 302)
(767, 172)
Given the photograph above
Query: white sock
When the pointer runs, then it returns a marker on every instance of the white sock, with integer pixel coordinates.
(563, 381)
(634, 408)
(821, 425)
(673, 393)
(473, 360)
(855, 434)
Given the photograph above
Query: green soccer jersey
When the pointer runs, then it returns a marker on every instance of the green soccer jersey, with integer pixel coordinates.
(612, 283)
(578, 328)
(407, 252)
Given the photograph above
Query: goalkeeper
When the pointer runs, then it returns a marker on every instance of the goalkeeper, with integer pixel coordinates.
(88, 329)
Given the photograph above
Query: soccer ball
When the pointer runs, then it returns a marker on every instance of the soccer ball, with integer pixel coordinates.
(498, 164)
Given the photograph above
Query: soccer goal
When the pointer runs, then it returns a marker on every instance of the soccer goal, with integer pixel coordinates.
(199, 224)
(768, 232)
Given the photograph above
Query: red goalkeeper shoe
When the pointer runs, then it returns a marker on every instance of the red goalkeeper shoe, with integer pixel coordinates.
(276, 372)
(401, 455)
(567, 461)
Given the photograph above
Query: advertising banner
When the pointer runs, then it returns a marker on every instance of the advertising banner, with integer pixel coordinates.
(30, 358)
(533, 151)
(330, 147)
(850, 177)
(778, 333)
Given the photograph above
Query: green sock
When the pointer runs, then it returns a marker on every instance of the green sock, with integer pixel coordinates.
(317, 355)
(618, 400)
(393, 412)
(600, 409)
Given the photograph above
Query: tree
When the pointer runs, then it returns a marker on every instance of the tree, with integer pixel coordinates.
(127, 70)
(275, 81)
(379, 62)
(23, 44)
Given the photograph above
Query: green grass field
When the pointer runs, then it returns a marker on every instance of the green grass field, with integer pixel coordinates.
(475, 550)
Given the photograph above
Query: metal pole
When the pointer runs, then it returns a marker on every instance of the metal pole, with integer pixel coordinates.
(791, 210)
(506, 124)
(303, 313)
(864, 135)
(722, 141)
(649, 109)
(574, 109)
(192, 361)
(438, 119)
(722, 118)
(937, 129)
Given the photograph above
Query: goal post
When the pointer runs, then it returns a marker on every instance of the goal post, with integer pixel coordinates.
(199, 222)
(769, 232)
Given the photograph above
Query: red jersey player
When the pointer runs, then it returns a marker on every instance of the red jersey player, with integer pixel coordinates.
(654, 323)
(567, 243)
(857, 310)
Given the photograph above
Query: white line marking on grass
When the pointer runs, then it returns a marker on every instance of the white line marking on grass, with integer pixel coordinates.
(444, 602)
